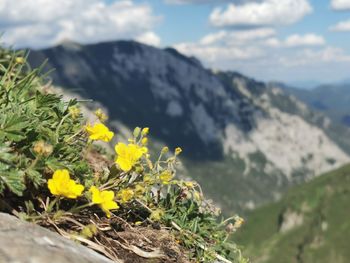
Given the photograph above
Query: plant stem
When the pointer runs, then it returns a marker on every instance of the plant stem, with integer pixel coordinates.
(49, 208)
(59, 126)
(77, 209)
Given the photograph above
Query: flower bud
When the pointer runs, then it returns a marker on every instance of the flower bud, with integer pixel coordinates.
(144, 141)
(137, 131)
(239, 222)
(42, 148)
(178, 150)
(145, 131)
(165, 150)
(20, 60)
(101, 115)
(74, 111)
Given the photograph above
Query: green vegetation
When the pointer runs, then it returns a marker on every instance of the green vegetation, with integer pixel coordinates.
(310, 224)
(52, 174)
(226, 183)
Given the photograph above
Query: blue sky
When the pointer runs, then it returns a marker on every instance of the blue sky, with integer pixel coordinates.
(190, 22)
(285, 40)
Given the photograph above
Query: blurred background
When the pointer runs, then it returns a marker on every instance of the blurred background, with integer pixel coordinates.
(256, 92)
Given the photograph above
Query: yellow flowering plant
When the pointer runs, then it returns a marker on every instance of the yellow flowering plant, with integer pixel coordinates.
(57, 177)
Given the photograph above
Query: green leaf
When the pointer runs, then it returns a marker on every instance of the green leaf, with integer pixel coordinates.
(13, 136)
(15, 123)
(13, 126)
(5, 154)
(35, 177)
(54, 164)
(14, 180)
(4, 167)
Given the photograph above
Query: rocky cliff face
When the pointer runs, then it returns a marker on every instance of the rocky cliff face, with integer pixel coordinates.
(243, 140)
(22, 242)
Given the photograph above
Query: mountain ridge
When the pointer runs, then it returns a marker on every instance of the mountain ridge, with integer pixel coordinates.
(331, 99)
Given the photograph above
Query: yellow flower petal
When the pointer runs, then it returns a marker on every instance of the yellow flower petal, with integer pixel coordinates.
(52, 187)
(99, 132)
(120, 148)
(124, 164)
(110, 205)
(61, 175)
(128, 155)
(104, 199)
(107, 195)
(62, 185)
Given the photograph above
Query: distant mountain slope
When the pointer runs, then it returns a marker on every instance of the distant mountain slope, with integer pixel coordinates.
(244, 141)
(310, 224)
(334, 100)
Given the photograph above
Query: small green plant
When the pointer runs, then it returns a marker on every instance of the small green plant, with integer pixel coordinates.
(47, 177)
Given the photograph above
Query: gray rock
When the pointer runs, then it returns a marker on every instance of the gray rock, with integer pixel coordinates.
(23, 242)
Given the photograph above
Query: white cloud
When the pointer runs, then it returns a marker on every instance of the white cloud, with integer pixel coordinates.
(309, 56)
(213, 54)
(236, 37)
(304, 40)
(273, 42)
(181, 2)
(296, 40)
(260, 53)
(341, 26)
(149, 38)
(41, 23)
(225, 46)
(267, 12)
(340, 4)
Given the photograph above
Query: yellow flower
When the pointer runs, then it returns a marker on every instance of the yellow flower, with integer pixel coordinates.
(105, 199)
(101, 115)
(125, 195)
(166, 177)
(62, 185)
(99, 132)
(178, 150)
(128, 155)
